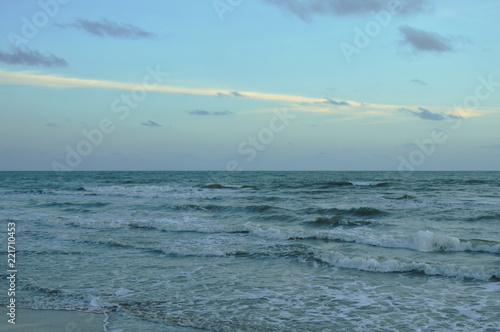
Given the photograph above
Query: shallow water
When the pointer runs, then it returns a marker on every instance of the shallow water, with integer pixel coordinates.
(259, 251)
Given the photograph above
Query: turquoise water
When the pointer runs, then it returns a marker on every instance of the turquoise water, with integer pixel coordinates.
(259, 251)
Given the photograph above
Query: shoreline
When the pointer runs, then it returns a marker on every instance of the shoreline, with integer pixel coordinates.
(51, 321)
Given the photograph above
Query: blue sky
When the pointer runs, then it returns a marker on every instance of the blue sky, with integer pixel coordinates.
(250, 85)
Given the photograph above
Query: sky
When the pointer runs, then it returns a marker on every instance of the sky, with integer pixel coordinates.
(249, 85)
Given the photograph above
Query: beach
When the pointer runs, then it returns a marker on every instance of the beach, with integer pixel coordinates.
(28, 320)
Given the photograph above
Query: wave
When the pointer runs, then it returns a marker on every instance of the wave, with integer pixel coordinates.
(35, 191)
(217, 186)
(403, 197)
(69, 204)
(209, 207)
(366, 211)
(331, 184)
(474, 182)
(393, 265)
(250, 187)
(464, 182)
(358, 212)
(205, 230)
(333, 258)
(221, 208)
(495, 216)
(427, 241)
(337, 221)
(372, 184)
(261, 208)
(148, 191)
(220, 186)
(422, 241)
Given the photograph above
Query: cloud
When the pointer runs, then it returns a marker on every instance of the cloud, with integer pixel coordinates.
(205, 112)
(104, 28)
(419, 82)
(151, 124)
(230, 94)
(425, 114)
(236, 94)
(425, 41)
(199, 112)
(27, 78)
(52, 125)
(336, 103)
(32, 58)
(297, 103)
(304, 9)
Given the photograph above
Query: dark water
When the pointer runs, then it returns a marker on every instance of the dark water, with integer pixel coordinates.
(259, 251)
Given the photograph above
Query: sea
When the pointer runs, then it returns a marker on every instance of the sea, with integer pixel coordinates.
(257, 251)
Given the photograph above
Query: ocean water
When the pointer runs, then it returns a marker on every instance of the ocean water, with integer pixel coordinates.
(258, 251)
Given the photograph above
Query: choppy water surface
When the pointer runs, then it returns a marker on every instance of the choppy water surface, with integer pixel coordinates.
(260, 251)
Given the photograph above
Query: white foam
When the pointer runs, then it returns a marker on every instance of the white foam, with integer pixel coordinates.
(386, 265)
(423, 241)
(132, 191)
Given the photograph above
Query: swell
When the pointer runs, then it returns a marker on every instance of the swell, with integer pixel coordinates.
(337, 221)
(398, 265)
(69, 204)
(422, 241)
(221, 186)
(358, 212)
(257, 208)
(308, 254)
(333, 185)
(149, 227)
(485, 217)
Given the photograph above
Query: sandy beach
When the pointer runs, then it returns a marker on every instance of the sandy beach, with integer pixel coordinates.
(28, 320)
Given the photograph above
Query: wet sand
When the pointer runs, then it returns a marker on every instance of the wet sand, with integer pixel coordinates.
(28, 320)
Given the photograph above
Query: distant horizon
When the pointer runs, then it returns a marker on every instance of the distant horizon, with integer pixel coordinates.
(247, 171)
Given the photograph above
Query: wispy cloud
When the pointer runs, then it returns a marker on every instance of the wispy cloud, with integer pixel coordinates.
(205, 112)
(418, 81)
(305, 9)
(52, 125)
(32, 58)
(151, 123)
(28, 78)
(108, 28)
(230, 94)
(293, 102)
(421, 40)
(336, 103)
(425, 114)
